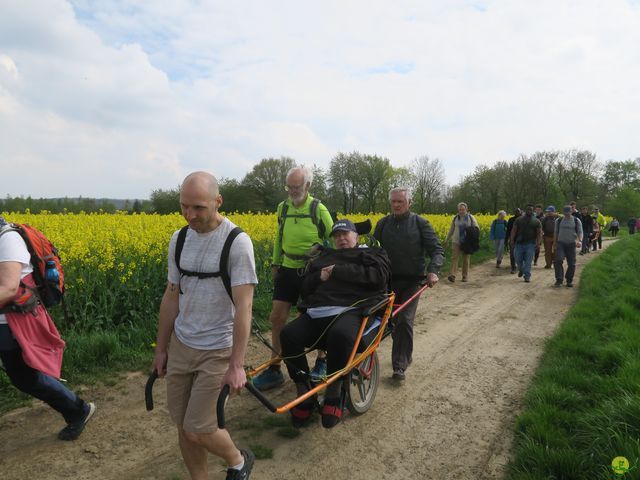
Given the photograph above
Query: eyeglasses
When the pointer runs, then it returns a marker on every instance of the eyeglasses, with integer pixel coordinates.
(288, 188)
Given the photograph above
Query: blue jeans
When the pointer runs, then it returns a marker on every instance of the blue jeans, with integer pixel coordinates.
(524, 253)
(37, 384)
(499, 245)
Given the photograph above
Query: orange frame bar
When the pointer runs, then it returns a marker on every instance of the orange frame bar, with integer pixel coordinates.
(352, 363)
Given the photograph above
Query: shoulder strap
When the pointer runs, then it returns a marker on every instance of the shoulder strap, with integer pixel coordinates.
(313, 211)
(223, 269)
(281, 219)
(224, 260)
(182, 235)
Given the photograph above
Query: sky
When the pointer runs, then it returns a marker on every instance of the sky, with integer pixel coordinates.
(116, 98)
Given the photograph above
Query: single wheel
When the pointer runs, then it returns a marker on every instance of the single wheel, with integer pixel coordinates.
(361, 385)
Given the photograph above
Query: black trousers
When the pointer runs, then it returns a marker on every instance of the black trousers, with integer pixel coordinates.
(402, 349)
(336, 337)
(37, 384)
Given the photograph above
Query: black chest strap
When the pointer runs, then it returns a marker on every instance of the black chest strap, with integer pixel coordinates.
(223, 269)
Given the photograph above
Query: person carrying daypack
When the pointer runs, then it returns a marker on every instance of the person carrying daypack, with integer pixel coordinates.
(203, 330)
(302, 222)
(568, 236)
(462, 224)
(30, 346)
(525, 237)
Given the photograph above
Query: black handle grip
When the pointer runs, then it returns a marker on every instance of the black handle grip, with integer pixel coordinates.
(224, 394)
(376, 307)
(222, 400)
(148, 390)
(258, 394)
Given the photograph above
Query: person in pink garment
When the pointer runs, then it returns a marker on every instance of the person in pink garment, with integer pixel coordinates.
(30, 345)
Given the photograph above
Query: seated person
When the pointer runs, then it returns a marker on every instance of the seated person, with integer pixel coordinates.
(337, 284)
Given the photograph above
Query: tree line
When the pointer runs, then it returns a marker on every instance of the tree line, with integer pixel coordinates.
(359, 183)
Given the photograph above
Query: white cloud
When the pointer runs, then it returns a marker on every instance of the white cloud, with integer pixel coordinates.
(118, 98)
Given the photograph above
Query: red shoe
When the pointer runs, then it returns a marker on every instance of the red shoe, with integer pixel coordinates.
(331, 412)
(301, 414)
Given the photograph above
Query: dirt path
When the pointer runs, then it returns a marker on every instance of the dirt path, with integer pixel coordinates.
(476, 348)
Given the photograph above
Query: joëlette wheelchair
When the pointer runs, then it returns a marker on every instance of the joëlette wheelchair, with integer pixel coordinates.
(360, 377)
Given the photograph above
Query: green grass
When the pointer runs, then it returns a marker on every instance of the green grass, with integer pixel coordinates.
(583, 408)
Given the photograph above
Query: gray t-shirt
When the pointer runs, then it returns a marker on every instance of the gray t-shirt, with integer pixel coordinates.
(568, 231)
(205, 318)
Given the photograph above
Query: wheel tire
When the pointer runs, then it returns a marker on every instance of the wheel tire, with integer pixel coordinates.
(361, 391)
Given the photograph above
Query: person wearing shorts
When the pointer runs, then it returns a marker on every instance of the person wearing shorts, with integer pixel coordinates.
(203, 329)
(302, 226)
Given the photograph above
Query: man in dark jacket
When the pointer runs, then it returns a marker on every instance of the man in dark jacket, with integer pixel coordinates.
(407, 238)
(587, 228)
(336, 284)
(512, 259)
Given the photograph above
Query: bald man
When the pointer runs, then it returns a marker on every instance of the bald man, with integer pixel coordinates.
(204, 327)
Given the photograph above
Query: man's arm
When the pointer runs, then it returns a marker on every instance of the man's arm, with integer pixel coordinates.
(325, 218)
(451, 230)
(235, 375)
(276, 259)
(514, 232)
(580, 231)
(168, 312)
(9, 281)
(432, 248)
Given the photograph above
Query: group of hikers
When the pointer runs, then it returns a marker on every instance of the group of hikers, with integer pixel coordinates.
(527, 232)
(206, 309)
(319, 265)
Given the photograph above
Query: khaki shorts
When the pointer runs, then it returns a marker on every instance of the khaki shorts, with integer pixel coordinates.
(193, 385)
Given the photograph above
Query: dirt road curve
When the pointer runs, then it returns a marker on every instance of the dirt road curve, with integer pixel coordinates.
(476, 348)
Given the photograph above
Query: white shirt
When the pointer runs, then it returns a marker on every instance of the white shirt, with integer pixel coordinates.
(206, 312)
(13, 249)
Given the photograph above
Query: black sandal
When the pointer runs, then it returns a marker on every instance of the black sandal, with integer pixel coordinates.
(332, 412)
(301, 414)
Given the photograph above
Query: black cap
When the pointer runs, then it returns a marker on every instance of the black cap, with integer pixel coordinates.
(343, 225)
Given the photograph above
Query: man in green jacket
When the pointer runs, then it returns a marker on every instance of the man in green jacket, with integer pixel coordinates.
(302, 222)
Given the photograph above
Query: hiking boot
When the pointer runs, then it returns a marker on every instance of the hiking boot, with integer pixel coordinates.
(558, 283)
(245, 471)
(270, 378)
(73, 430)
(569, 284)
(451, 278)
(520, 273)
(513, 270)
(527, 280)
(398, 374)
(319, 370)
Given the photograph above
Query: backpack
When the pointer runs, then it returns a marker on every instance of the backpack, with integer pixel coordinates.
(313, 215)
(575, 225)
(471, 242)
(223, 271)
(50, 290)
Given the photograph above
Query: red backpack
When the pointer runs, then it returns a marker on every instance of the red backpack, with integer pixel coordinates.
(48, 274)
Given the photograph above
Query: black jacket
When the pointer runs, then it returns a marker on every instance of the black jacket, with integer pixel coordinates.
(407, 240)
(359, 273)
